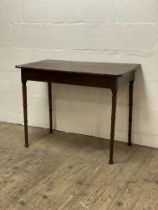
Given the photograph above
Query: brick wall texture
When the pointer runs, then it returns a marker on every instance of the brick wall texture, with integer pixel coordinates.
(85, 30)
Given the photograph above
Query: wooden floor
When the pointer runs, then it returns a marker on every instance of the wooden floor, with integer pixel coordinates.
(71, 172)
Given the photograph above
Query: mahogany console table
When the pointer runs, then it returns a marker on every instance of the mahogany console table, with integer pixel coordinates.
(102, 75)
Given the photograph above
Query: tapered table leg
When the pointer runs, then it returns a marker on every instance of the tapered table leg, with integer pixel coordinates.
(113, 116)
(24, 88)
(130, 112)
(50, 106)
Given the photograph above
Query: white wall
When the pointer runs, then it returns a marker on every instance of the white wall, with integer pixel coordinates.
(89, 30)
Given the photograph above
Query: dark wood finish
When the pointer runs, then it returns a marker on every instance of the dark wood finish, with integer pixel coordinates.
(102, 75)
(113, 117)
(84, 79)
(24, 88)
(130, 112)
(50, 106)
(113, 69)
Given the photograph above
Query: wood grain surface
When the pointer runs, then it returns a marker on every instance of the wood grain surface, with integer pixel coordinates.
(115, 69)
(67, 171)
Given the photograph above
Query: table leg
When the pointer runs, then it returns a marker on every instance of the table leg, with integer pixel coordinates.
(130, 112)
(113, 116)
(24, 90)
(50, 106)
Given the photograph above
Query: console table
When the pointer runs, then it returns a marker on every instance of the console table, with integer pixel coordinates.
(102, 75)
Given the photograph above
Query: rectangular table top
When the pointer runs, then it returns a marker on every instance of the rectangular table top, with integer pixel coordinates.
(111, 69)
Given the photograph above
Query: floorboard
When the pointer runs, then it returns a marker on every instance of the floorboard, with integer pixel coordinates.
(65, 171)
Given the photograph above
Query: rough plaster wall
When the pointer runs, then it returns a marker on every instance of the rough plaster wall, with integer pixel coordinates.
(90, 30)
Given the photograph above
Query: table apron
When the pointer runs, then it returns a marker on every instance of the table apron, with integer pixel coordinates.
(83, 79)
